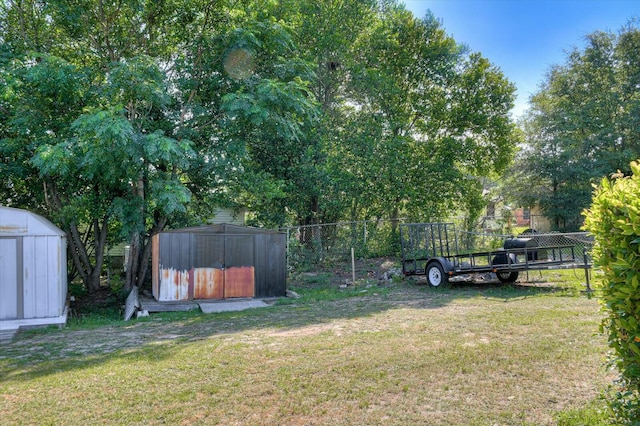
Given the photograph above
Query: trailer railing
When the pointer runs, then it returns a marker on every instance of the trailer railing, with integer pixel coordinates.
(424, 245)
(313, 247)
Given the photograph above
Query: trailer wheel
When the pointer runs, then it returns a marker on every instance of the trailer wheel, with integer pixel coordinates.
(507, 277)
(436, 276)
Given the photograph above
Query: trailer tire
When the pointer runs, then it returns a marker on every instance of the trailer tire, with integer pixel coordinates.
(507, 277)
(436, 276)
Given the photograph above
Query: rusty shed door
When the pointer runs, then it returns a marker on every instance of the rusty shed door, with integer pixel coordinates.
(208, 264)
(223, 266)
(10, 288)
(239, 275)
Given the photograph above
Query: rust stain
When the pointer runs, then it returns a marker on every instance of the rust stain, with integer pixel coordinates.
(208, 283)
(14, 229)
(239, 281)
(174, 284)
(191, 279)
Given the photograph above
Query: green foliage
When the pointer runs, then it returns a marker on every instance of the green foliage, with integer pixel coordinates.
(119, 119)
(582, 125)
(428, 118)
(614, 220)
(134, 118)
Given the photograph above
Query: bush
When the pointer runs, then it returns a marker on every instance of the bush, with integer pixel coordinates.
(614, 220)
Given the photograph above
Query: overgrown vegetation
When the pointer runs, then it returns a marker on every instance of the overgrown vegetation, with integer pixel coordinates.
(614, 220)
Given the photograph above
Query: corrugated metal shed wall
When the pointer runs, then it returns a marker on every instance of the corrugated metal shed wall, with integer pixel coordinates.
(174, 262)
(208, 266)
(218, 261)
(33, 266)
(271, 266)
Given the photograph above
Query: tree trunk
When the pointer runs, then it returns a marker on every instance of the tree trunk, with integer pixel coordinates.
(132, 263)
(92, 281)
(395, 218)
(88, 270)
(140, 255)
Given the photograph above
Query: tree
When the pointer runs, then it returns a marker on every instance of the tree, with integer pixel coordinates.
(582, 124)
(122, 118)
(128, 117)
(428, 120)
(384, 144)
(94, 149)
(323, 33)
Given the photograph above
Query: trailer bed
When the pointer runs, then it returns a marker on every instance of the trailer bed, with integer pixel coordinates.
(431, 249)
(562, 257)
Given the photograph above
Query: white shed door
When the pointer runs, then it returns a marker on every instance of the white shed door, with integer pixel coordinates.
(8, 278)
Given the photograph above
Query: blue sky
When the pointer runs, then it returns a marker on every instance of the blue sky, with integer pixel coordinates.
(524, 38)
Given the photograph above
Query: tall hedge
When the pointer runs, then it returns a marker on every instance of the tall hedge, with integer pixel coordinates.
(614, 220)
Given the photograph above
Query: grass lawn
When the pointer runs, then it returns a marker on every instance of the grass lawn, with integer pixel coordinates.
(381, 353)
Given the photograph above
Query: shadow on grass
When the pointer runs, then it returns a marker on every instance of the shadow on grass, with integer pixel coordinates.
(160, 336)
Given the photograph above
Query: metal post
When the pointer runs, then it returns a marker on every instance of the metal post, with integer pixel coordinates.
(288, 249)
(586, 269)
(353, 267)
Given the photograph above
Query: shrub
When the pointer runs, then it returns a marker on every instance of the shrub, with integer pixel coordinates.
(614, 220)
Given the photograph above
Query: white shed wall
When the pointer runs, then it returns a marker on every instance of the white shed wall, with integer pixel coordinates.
(33, 266)
(8, 278)
(44, 288)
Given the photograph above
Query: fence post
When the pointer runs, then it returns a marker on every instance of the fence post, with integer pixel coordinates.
(353, 266)
(586, 269)
(288, 249)
(365, 234)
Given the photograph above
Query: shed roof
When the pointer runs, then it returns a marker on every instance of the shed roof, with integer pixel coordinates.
(22, 222)
(223, 228)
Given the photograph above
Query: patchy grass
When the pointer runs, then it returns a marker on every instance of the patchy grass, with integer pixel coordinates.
(376, 353)
(595, 413)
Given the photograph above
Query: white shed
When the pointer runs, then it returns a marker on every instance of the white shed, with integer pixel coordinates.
(33, 271)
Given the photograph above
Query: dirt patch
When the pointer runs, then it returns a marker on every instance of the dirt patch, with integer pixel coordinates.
(370, 270)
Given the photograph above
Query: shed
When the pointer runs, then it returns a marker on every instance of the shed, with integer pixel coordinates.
(33, 270)
(218, 262)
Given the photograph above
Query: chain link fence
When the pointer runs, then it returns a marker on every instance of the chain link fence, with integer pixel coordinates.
(312, 246)
(578, 244)
(323, 245)
(575, 244)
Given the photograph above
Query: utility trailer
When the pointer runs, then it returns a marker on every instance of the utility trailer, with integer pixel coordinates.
(432, 249)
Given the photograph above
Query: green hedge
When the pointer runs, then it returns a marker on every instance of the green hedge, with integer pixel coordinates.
(614, 220)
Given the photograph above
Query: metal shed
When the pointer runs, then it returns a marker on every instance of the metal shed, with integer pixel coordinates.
(33, 270)
(218, 262)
